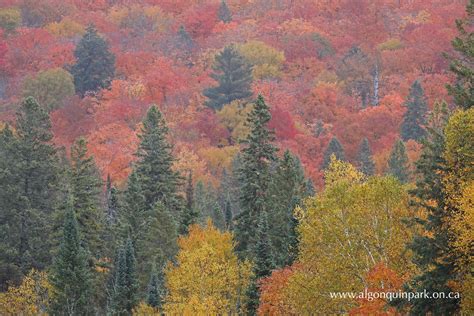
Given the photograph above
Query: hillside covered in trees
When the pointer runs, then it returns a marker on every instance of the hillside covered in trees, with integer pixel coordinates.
(210, 157)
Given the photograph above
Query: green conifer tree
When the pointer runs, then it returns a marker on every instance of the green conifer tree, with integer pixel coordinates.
(217, 217)
(264, 263)
(365, 162)
(288, 188)
(229, 217)
(95, 64)
(254, 175)
(86, 188)
(124, 296)
(414, 119)
(29, 178)
(398, 162)
(462, 64)
(190, 215)
(224, 13)
(234, 77)
(334, 148)
(433, 254)
(71, 275)
(155, 290)
(158, 181)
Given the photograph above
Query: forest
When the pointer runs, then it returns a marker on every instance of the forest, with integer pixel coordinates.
(236, 157)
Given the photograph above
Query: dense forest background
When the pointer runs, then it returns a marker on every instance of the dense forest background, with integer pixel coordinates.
(235, 157)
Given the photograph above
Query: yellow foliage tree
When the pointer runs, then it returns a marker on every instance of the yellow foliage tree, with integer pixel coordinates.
(344, 232)
(208, 278)
(459, 186)
(144, 309)
(29, 298)
(66, 28)
(233, 116)
(266, 60)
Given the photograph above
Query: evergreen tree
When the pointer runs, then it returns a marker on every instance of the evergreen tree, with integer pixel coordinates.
(432, 250)
(234, 77)
(155, 290)
(263, 262)
(190, 216)
(288, 188)
(157, 241)
(364, 158)
(113, 206)
(229, 217)
(218, 217)
(29, 178)
(254, 175)
(95, 64)
(86, 190)
(132, 215)
(71, 275)
(334, 148)
(224, 13)
(414, 118)
(124, 296)
(398, 162)
(158, 181)
(462, 64)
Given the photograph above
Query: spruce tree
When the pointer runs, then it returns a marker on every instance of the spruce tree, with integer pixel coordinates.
(158, 181)
(155, 290)
(190, 215)
(71, 275)
(86, 188)
(229, 217)
(157, 241)
(95, 64)
(264, 263)
(112, 196)
(288, 189)
(433, 254)
(224, 13)
(254, 175)
(334, 148)
(124, 296)
(217, 217)
(414, 119)
(365, 162)
(234, 77)
(398, 162)
(29, 179)
(462, 64)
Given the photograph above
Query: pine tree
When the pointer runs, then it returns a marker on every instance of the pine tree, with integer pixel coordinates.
(71, 275)
(462, 64)
(86, 190)
(254, 175)
(95, 64)
(263, 262)
(334, 148)
(414, 118)
(185, 41)
(224, 13)
(398, 162)
(155, 290)
(132, 215)
(432, 250)
(158, 181)
(190, 215)
(364, 158)
(288, 188)
(29, 179)
(124, 296)
(234, 77)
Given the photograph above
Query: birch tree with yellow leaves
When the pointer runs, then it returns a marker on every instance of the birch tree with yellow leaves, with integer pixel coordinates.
(208, 278)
